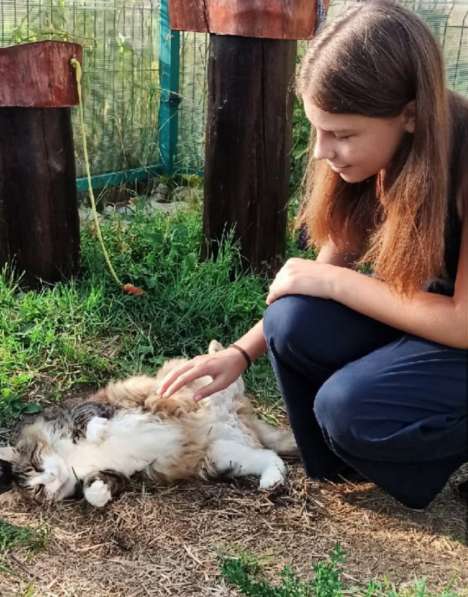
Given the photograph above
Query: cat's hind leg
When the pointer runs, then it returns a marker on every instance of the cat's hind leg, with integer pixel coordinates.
(239, 460)
(100, 488)
(282, 441)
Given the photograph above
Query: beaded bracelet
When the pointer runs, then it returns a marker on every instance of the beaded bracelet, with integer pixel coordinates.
(244, 353)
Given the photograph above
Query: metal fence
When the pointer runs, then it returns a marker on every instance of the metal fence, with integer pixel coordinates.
(140, 79)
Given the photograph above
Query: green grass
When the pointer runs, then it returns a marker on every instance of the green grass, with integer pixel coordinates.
(83, 332)
(12, 536)
(245, 574)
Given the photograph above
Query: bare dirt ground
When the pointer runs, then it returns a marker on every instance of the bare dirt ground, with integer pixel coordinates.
(167, 540)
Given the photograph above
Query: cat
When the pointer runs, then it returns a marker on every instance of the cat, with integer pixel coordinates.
(92, 450)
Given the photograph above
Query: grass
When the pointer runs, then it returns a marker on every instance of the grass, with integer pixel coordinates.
(12, 536)
(81, 333)
(245, 574)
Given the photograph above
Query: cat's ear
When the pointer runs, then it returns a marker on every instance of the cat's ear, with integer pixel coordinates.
(215, 346)
(8, 454)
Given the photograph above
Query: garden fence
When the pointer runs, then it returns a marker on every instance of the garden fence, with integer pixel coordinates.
(145, 87)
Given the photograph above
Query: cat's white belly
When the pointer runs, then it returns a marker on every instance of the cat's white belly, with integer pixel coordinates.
(129, 443)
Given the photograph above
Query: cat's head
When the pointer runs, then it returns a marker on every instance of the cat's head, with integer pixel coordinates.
(35, 467)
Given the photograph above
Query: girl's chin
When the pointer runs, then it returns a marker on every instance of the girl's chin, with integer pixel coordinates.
(353, 176)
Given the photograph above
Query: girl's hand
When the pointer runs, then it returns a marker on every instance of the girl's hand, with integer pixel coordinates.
(224, 367)
(303, 276)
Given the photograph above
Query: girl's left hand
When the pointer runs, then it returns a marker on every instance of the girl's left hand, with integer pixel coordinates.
(303, 276)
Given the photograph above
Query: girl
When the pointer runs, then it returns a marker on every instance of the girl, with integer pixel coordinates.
(373, 368)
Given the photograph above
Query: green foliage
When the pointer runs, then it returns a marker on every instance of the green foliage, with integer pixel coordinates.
(12, 536)
(245, 574)
(83, 332)
(300, 146)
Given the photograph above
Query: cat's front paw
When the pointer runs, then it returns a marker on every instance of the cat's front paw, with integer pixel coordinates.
(96, 430)
(98, 494)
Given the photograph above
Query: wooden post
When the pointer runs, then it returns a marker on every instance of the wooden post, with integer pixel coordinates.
(39, 224)
(249, 123)
(248, 141)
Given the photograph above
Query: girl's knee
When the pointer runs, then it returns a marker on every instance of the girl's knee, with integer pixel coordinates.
(286, 319)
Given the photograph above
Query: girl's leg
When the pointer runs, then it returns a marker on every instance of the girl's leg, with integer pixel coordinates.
(308, 339)
(399, 416)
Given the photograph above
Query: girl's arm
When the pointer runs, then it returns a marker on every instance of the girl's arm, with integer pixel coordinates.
(432, 316)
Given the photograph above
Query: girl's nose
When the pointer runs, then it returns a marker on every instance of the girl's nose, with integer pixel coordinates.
(323, 148)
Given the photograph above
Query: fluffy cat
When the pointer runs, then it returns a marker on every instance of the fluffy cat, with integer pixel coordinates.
(94, 448)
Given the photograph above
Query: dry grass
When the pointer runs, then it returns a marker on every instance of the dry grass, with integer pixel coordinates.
(165, 540)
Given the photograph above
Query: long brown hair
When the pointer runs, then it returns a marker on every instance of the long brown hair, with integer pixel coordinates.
(373, 60)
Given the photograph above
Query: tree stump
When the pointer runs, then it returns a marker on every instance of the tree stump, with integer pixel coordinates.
(39, 223)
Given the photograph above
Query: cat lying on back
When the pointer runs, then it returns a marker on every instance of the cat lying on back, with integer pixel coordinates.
(94, 448)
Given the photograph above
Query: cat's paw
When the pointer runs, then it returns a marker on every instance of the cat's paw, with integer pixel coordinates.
(272, 477)
(98, 494)
(96, 430)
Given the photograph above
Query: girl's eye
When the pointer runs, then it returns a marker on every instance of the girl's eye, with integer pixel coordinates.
(343, 137)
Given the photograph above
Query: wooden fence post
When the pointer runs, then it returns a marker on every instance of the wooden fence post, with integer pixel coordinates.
(249, 123)
(39, 224)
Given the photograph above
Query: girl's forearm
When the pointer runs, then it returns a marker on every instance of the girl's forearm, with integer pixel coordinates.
(254, 341)
(431, 316)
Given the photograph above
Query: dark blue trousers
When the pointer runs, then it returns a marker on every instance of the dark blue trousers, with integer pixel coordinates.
(364, 395)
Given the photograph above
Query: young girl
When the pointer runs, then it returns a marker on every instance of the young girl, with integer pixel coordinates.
(373, 368)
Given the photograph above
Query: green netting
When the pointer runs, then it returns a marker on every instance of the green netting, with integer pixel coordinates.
(122, 90)
(192, 109)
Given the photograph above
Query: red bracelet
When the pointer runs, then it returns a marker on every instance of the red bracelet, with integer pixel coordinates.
(244, 353)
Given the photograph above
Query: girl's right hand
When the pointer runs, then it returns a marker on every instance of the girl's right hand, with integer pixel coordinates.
(224, 367)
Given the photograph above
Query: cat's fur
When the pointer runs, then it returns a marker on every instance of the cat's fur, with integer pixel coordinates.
(128, 428)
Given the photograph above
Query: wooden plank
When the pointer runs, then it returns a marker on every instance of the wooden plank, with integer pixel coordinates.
(39, 75)
(275, 19)
(248, 144)
(38, 200)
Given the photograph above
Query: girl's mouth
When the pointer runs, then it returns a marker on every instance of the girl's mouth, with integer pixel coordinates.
(338, 169)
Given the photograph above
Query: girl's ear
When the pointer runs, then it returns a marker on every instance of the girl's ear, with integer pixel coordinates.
(409, 116)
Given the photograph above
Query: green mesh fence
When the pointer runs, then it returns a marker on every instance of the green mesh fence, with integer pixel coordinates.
(120, 67)
(122, 41)
(448, 21)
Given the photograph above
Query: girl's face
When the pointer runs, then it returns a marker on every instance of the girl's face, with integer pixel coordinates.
(357, 147)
